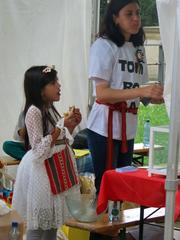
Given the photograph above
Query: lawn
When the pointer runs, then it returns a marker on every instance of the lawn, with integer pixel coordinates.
(158, 116)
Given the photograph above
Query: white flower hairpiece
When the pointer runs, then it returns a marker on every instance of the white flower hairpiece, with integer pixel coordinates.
(48, 68)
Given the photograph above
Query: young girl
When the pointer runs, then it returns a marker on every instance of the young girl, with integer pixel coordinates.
(42, 211)
(117, 68)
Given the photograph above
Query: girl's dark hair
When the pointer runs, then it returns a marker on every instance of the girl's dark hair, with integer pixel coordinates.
(110, 30)
(34, 81)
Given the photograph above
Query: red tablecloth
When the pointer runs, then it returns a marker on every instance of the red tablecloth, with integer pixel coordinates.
(134, 187)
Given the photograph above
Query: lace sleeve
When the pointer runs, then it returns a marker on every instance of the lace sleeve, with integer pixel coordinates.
(40, 145)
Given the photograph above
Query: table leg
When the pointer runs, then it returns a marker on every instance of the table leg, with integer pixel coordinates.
(139, 160)
(122, 234)
(141, 223)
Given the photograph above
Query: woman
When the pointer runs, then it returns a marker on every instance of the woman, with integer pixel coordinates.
(117, 69)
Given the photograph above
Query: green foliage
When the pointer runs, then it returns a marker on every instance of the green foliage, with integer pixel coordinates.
(148, 11)
(103, 4)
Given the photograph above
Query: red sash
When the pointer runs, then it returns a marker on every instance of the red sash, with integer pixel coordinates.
(123, 109)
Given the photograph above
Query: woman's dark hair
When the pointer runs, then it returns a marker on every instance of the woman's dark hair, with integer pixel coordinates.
(110, 30)
(34, 82)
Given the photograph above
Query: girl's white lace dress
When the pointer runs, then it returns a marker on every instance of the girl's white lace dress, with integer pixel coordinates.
(32, 196)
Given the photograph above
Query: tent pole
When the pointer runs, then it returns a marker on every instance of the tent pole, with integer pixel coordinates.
(95, 19)
(94, 30)
(174, 141)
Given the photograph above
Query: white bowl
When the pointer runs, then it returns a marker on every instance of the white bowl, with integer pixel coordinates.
(82, 207)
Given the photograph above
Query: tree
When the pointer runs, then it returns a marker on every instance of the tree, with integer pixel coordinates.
(148, 11)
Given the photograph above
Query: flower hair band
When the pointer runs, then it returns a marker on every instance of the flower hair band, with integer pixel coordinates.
(48, 68)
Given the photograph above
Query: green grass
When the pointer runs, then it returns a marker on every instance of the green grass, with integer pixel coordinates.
(157, 115)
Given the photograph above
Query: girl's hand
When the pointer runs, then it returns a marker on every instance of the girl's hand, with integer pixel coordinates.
(72, 118)
(77, 116)
(55, 134)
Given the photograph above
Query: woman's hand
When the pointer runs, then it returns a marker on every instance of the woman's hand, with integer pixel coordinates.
(159, 101)
(22, 133)
(153, 91)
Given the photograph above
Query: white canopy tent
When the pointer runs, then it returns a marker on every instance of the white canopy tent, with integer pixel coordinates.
(169, 20)
(59, 32)
(43, 32)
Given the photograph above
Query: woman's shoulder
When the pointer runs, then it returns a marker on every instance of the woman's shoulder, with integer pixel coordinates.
(105, 45)
(104, 42)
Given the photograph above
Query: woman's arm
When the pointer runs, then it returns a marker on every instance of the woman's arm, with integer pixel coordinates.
(108, 95)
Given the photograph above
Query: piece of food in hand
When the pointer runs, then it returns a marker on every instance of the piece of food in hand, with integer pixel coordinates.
(66, 114)
(72, 108)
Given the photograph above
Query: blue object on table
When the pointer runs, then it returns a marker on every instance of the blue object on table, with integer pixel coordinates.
(126, 169)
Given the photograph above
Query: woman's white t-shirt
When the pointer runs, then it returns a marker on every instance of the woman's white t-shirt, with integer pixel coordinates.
(122, 67)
